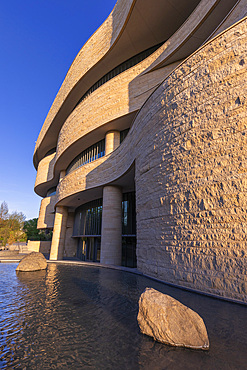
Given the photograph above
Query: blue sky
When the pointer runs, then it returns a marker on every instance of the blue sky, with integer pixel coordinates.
(39, 40)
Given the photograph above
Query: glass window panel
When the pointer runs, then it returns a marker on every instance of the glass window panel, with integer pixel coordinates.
(90, 154)
(88, 219)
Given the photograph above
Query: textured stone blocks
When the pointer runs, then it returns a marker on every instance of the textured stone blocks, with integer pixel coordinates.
(187, 145)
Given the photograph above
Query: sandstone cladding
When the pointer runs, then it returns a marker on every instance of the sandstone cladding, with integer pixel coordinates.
(188, 143)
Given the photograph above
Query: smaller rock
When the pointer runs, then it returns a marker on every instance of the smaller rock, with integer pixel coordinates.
(32, 262)
(169, 321)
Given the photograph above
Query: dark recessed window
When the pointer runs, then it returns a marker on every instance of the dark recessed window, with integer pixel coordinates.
(51, 191)
(119, 69)
(88, 219)
(51, 151)
(88, 155)
(123, 134)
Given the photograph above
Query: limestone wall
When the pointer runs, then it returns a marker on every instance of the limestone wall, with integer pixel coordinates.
(45, 173)
(191, 173)
(188, 143)
(118, 97)
(47, 213)
(70, 247)
(39, 246)
(116, 37)
(94, 50)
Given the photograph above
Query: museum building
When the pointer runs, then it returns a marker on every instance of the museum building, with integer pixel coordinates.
(141, 160)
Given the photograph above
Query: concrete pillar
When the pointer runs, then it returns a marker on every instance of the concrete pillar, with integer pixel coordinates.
(59, 232)
(70, 245)
(111, 231)
(112, 141)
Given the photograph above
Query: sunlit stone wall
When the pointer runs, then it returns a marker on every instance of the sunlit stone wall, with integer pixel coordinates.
(47, 213)
(191, 171)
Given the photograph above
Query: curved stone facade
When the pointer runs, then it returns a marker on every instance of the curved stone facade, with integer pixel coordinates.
(47, 213)
(45, 174)
(191, 206)
(117, 98)
(184, 154)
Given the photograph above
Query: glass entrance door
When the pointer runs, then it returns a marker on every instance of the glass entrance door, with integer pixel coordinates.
(129, 251)
(81, 249)
(88, 249)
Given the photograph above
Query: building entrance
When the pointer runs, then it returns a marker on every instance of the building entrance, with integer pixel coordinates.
(129, 251)
(87, 229)
(88, 249)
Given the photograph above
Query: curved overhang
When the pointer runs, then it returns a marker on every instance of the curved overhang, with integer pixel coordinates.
(200, 19)
(85, 184)
(218, 55)
(44, 181)
(132, 27)
(98, 114)
(47, 213)
(195, 31)
(45, 175)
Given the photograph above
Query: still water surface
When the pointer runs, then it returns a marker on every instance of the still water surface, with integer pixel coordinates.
(74, 317)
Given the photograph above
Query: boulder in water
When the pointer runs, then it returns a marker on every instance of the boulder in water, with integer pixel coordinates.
(170, 322)
(32, 262)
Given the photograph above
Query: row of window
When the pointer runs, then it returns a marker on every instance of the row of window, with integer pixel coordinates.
(119, 69)
(88, 249)
(128, 214)
(88, 155)
(95, 151)
(123, 134)
(92, 153)
(88, 217)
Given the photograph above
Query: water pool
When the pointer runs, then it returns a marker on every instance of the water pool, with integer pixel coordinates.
(82, 317)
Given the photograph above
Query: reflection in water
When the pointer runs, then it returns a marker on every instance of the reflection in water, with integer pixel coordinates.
(74, 317)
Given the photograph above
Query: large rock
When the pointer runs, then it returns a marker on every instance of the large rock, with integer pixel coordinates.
(32, 262)
(169, 321)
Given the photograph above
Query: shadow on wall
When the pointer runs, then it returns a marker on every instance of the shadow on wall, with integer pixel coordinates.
(181, 42)
(188, 143)
(50, 212)
(47, 213)
(51, 168)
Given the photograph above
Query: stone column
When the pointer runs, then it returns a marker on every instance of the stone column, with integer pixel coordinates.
(112, 141)
(59, 231)
(111, 230)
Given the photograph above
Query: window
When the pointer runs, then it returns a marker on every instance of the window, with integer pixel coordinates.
(123, 134)
(88, 219)
(89, 155)
(119, 69)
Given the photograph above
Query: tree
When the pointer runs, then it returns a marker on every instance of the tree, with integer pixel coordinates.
(4, 211)
(30, 228)
(15, 224)
(11, 226)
